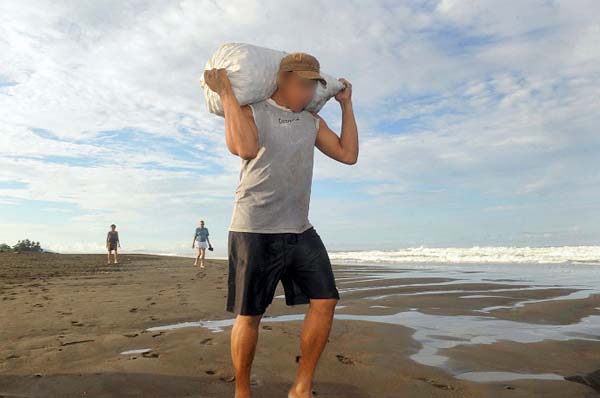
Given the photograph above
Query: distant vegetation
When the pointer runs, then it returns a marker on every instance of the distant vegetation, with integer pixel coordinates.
(25, 245)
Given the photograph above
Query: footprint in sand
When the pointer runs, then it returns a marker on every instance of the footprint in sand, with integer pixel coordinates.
(66, 343)
(436, 384)
(206, 341)
(228, 379)
(345, 360)
(150, 355)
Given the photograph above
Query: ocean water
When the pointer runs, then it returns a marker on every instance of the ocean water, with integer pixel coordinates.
(412, 255)
(473, 255)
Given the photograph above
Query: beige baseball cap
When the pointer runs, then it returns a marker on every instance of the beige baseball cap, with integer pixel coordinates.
(304, 65)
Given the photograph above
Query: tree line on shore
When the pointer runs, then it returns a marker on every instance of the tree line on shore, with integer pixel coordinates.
(24, 245)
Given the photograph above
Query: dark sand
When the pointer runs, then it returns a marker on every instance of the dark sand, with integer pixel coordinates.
(65, 319)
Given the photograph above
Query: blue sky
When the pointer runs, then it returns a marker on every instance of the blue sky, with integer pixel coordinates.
(478, 121)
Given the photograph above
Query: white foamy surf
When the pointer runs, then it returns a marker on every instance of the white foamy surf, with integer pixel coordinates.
(473, 255)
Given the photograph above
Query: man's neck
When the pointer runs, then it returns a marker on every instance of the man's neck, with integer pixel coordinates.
(278, 98)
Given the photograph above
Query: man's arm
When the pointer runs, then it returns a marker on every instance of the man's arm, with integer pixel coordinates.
(344, 148)
(241, 134)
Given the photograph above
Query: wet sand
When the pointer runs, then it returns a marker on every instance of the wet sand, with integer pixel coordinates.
(66, 321)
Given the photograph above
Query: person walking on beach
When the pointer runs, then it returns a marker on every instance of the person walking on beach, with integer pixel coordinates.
(201, 242)
(270, 236)
(112, 242)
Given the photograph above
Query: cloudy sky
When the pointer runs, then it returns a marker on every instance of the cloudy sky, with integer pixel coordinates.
(478, 121)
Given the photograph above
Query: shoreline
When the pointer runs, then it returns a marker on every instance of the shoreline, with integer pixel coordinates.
(77, 317)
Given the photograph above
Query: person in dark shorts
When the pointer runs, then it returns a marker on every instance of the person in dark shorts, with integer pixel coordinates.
(112, 243)
(270, 236)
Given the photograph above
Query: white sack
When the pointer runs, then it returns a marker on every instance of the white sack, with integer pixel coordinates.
(252, 71)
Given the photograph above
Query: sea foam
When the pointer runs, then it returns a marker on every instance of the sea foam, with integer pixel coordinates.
(476, 254)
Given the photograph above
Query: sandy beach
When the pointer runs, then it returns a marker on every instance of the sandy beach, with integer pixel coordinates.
(154, 326)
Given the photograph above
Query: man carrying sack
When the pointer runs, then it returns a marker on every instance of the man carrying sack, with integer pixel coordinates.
(270, 236)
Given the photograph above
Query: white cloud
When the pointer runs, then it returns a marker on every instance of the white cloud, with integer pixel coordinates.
(484, 96)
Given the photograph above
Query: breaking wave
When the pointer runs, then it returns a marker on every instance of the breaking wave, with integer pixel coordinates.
(476, 254)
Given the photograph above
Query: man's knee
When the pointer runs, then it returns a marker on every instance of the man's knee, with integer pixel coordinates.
(324, 305)
(252, 321)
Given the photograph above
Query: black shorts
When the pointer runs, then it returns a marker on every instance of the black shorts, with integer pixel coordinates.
(258, 261)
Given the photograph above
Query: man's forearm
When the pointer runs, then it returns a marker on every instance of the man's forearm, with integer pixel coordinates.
(349, 135)
(238, 131)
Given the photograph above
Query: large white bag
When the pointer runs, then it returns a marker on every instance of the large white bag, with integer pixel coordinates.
(252, 71)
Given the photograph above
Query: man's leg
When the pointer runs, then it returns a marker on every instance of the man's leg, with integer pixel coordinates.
(108, 260)
(116, 260)
(244, 336)
(315, 331)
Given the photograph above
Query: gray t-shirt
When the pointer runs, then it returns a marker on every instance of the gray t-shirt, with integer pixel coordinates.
(112, 237)
(273, 193)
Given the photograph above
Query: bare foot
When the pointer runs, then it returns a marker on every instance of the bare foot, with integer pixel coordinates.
(297, 392)
(293, 395)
